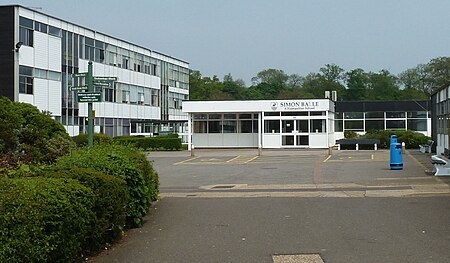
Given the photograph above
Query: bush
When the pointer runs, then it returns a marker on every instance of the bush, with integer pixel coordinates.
(411, 139)
(125, 163)
(43, 219)
(350, 135)
(169, 142)
(110, 202)
(98, 138)
(30, 136)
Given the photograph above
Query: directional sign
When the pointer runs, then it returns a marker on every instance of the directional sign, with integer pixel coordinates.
(78, 88)
(101, 83)
(105, 78)
(77, 75)
(89, 96)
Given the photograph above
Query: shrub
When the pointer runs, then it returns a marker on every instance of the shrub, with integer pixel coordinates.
(350, 135)
(125, 163)
(411, 139)
(110, 201)
(151, 143)
(98, 138)
(30, 136)
(43, 219)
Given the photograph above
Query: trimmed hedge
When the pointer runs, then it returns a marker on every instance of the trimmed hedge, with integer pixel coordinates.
(110, 202)
(99, 138)
(412, 139)
(125, 163)
(44, 219)
(169, 142)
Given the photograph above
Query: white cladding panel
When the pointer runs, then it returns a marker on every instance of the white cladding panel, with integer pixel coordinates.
(54, 96)
(26, 98)
(54, 53)
(40, 89)
(26, 56)
(257, 105)
(40, 50)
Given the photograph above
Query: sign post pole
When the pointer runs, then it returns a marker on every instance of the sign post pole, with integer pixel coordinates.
(90, 117)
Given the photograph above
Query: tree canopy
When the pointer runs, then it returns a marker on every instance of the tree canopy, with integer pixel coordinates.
(353, 85)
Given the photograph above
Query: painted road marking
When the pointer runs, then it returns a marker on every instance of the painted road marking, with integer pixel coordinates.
(299, 258)
(185, 161)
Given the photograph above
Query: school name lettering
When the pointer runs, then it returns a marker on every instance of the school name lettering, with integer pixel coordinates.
(299, 104)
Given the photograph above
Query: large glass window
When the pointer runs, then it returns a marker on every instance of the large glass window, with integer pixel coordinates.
(417, 114)
(395, 125)
(354, 115)
(229, 126)
(417, 124)
(272, 126)
(245, 126)
(354, 125)
(374, 125)
(288, 125)
(375, 115)
(338, 125)
(214, 127)
(200, 127)
(26, 36)
(318, 126)
(302, 126)
(25, 80)
(54, 31)
(395, 114)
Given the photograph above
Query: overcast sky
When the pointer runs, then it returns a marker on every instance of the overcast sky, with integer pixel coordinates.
(243, 37)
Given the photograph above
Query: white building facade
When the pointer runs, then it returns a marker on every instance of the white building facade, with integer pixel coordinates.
(40, 52)
(260, 123)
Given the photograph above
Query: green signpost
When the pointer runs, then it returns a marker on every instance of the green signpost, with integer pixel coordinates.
(90, 96)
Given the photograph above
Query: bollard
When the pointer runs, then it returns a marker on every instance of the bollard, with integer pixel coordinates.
(403, 147)
(192, 150)
(396, 159)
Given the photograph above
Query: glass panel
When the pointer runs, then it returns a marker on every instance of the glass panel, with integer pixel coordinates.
(287, 140)
(214, 127)
(215, 116)
(288, 125)
(200, 126)
(294, 113)
(395, 114)
(318, 126)
(272, 113)
(54, 31)
(417, 114)
(398, 124)
(374, 125)
(229, 126)
(338, 126)
(375, 114)
(317, 113)
(272, 126)
(338, 115)
(26, 22)
(417, 125)
(303, 140)
(353, 125)
(229, 116)
(200, 116)
(245, 126)
(354, 115)
(302, 125)
(245, 116)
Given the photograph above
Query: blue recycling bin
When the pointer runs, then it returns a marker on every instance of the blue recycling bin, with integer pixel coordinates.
(396, 158)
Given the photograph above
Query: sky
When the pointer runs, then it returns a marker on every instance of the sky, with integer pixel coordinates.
(244, 37)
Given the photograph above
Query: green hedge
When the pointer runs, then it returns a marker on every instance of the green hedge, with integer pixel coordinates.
(110, 202)
(98, 138)
(44, 219)
(169, 142)
(411, 139)
(125, 163)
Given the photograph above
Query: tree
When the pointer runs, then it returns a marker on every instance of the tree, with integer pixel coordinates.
(383, 86)
(357, 85)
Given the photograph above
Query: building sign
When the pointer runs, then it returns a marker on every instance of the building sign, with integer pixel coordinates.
(294, 105)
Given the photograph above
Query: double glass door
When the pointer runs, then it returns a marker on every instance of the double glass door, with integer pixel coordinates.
(295, 133)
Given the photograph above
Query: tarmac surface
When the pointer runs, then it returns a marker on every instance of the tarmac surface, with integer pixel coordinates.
(291, 206)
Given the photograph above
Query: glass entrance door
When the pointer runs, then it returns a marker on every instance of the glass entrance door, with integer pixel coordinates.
(295, 133)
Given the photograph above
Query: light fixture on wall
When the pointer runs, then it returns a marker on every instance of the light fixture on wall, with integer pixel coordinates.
(18, 45)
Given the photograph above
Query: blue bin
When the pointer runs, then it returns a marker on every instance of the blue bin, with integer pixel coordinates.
(396, 156)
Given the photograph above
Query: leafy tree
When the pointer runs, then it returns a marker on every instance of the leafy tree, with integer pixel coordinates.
(383, 86)
(357, 85)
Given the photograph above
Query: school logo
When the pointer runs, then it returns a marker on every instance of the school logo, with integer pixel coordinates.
(274, 105)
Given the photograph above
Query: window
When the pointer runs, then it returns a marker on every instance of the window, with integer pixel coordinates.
(245, 126)
(272, 126)
(395, 114)
(229, 126)
(25, 80)
(375, 115)
(41, 27)
(417, 125)
(26, 36)
(354, 115)
(318, 126)
(214, 127)
(109, 94)
(200, 126)
(54, 31)
(395, 125)
(338, 126)
(354, 125)
(417, 114)
(374, 125)
(25, 22)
